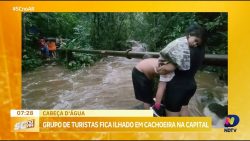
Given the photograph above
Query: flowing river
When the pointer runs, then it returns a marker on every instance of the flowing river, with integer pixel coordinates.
(108, 85)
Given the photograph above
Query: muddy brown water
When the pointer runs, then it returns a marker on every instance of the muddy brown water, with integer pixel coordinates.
(107, 85)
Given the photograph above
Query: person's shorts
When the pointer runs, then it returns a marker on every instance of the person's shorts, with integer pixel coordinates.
(143, 87)
(45, 51)
(177, 96)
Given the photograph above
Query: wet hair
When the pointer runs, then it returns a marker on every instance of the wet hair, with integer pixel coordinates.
(197, 31)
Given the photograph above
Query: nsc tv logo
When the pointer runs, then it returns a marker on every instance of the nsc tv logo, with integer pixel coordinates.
(230, 122)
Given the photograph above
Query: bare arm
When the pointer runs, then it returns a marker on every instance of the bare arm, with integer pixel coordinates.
(165, 69)
(160, 91)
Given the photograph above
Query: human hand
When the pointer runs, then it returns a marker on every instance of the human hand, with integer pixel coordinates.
(166, 68)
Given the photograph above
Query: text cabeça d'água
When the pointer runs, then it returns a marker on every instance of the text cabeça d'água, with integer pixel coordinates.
(58, 113)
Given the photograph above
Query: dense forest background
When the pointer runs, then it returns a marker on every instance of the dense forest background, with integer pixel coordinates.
(111, 31)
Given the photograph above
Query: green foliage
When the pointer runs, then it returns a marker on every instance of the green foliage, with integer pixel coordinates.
(30, 59)
(81, 61)
(80, 40)
(110, 31)
(29, 64)
(159, 29)
(52, 24)
(36, 25)
(30, 53)
(217, 43)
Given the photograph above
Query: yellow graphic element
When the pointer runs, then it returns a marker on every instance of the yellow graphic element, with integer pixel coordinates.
(135, 124)
(238, 64)
(96, 113)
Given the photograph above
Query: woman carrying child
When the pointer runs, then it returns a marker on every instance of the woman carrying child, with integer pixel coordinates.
(179, 61)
